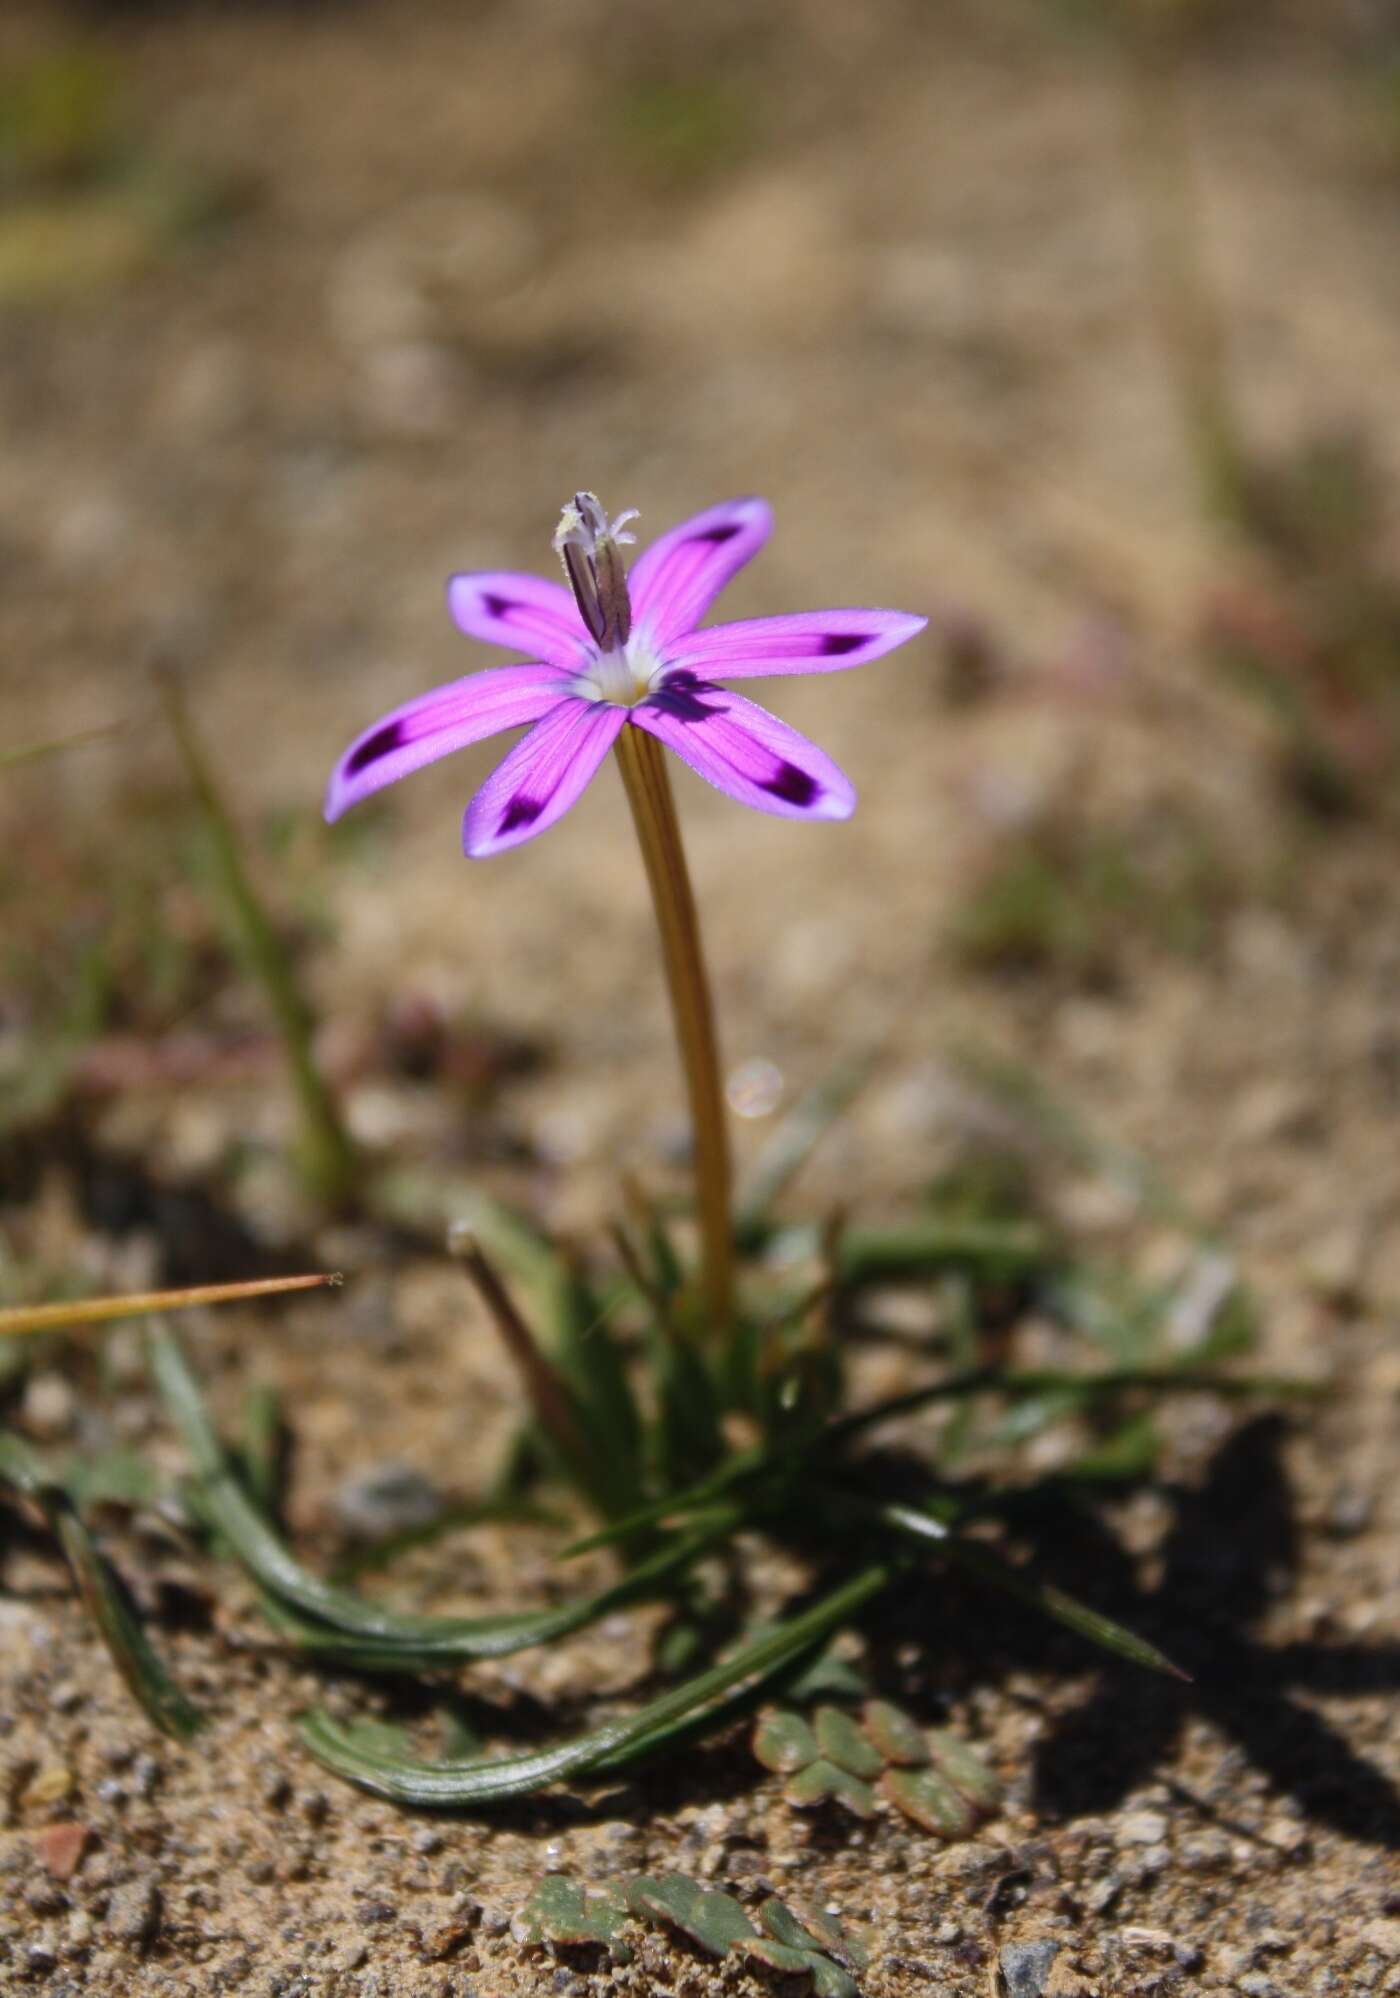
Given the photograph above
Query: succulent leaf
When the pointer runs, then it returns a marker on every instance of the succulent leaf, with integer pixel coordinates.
(783, 1742)
(924, 1796)
(826, 1782)
(899, 1739)
(965, 1770)
(841, 1741)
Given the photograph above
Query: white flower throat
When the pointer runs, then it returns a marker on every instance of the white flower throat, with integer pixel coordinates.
(622, 676)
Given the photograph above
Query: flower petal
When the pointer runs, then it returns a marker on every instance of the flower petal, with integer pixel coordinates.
(805, 642)
(435, 724)
(524, 612)
(674, 582)
(543, 775)
(743, 750)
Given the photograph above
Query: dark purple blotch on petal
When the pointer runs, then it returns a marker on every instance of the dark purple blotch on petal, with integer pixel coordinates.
(679, 695)
(495, 606)
(835, 643)
(717, 536)
(521, 811)
(792, 785)
(382, 743)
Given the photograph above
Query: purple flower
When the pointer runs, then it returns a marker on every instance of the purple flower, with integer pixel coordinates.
(624, 649)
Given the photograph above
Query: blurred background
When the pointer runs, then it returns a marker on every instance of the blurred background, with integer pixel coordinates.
(1073, 325)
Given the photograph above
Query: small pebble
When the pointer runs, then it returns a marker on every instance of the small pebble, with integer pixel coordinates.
(276, 1789)
(49, 1785)
(1349, 1512)
(1025, 1967)
(49, 1407)
(42, 1897)
(133, 1914)
(390, 1498)
(146, 1774)
(61, 1847)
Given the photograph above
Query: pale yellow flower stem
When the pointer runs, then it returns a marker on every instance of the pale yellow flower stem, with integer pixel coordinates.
(648, 783)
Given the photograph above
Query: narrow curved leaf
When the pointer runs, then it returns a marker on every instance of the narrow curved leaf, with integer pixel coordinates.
(339, 1623)
(448, 1784)
(104, 1597)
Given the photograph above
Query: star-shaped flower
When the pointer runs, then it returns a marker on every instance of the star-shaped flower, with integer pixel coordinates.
(623, 650)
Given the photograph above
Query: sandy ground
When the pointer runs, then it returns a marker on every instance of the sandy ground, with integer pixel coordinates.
(897, 285)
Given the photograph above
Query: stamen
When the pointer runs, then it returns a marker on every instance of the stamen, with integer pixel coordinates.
(590, 547)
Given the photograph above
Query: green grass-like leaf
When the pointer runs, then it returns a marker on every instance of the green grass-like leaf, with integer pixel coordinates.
(104, 1597)
(339, 1623)
(456, 1785)
(1044, 1596)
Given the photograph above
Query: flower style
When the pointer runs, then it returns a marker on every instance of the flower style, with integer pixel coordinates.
(618, 650)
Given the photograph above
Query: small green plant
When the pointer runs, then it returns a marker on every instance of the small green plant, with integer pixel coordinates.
(1312, 632)
(682, 130)
(61, 120)
(1067, 899)
(932, 1778)
(691, 1394)
(809, 1944)
(328, 1158)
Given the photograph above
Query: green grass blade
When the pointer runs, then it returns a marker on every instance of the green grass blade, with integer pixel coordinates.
(989, 1249)
(1086, 1387)
(356, 1622)
(383, 1553)
(164, 1705)
(593, 1363)
(263, 1449)
(688, 1500)
(1044, 1596)
(418, 1643)
(104, 1598)
(12, 758)
(461, 1784)
(329, 1158)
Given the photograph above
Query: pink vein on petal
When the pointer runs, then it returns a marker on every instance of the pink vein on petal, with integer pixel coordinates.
(527, 613)
(802, 642)
(674, 581)
(745, 752)
(542, 777)
(433, 725)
